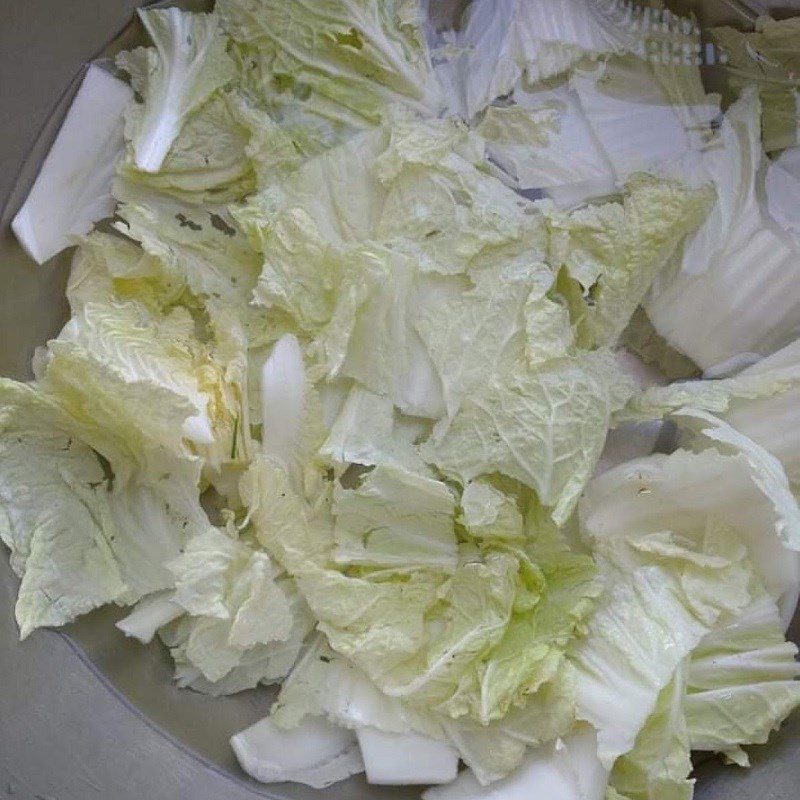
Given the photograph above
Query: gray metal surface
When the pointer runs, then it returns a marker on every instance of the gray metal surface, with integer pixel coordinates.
(85, 713)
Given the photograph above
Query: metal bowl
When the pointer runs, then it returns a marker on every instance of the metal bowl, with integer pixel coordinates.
(84, 712)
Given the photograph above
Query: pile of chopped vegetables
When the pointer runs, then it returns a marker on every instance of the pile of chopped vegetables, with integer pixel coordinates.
(447, 378)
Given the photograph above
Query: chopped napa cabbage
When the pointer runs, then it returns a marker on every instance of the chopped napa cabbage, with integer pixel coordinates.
(244, 623)
(274, 143)
(283, 400)
(186, 66)
(79, 536)
(107, 268)
(347, 62)
(492, 752)
(768, 419)
(150, 355)
(469, 329)
(767, 58)
(415, 186)
(209, 161)
(659, 764)
(370, 397)
(150, 614)
(471, 618)
(489, 513)
(417, 631)
(769, 377)
(735, 492)
(567, 769)
(354, 263)
(543, 427)
(73, 188)
(544, 142)
(782, 187)
(765, 470)
(746, 264)
(681, 538)
(405, 759)
(395, 518)
(742, 682)
(126, 340)
(649, 115)
(616, 250)
(324, 684)
(316, 754)
(637, 637)
(501, 43)
(366, 432)
(737, 686)
(81, 397)
(584, 136)
(194, 247)
(760, 402)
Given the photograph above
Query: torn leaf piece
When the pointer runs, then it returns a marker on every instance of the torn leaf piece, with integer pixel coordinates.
(186, 66)
(544, 427)
(78, 541)
(244, 623)
(395, 518)
(742, 682)
(345, 62)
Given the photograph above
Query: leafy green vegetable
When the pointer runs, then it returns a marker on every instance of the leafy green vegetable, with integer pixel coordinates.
(650, 115)
(186, 66)
(395, 519)
(366, 432)
(140, 349)
(488, 513)
(745, 264)
(767, 58)
(744, 664)
(471, 638)
(80, 536)
(469, 330)
(324, 683)
(566, 769)
(738, 488)
(616, 250)
(659, 763)
(501, 47)
(348, 61)
(195, 247)
(351, 264)
(759, 402)
(678, 537)
(245, 623)
(545, 428)
(637, 637)
(316, 753)
(741, 682)
(208, 161)
(584, 136)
